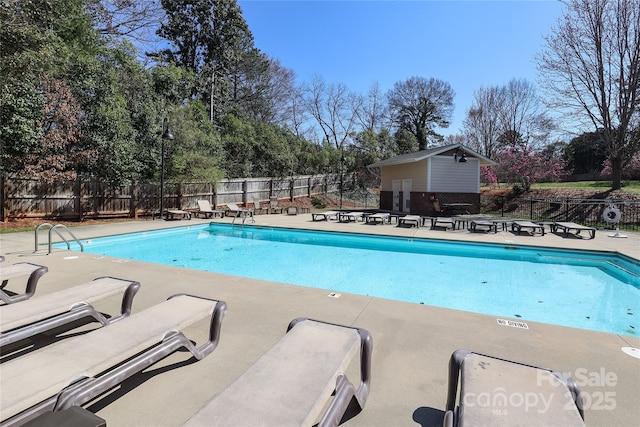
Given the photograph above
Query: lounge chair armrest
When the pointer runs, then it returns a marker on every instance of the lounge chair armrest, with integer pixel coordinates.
(127, 301)
(455, 362)
(33, 282)
(30, 289)
(574, 389)
(344, 389)
(215, 327)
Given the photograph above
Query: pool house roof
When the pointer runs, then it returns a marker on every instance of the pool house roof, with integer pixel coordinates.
(418, 156)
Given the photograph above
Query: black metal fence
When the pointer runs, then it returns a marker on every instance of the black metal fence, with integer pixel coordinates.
(589, 212)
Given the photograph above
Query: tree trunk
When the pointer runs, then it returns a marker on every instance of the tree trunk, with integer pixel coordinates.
(421, 136)
(616, 173)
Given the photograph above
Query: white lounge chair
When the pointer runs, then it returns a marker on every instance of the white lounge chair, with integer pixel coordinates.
(47, 312)
(293, 382)
(410, 220)
(205, 208)
(239, 212)
(8, 272)
(274, 205)
(177, 214)
(349, 216)
(324, 216)
(493, 390)
(378, 218)
(443, 221)
(260, 207)
(78, 369)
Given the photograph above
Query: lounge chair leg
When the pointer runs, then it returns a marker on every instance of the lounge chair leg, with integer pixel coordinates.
(80, 311)
(345, 392)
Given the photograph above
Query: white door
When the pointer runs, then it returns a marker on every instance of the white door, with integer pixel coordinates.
(406, 195)
(396, 186)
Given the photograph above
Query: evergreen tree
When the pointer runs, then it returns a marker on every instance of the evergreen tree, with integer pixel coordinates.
(212, 39)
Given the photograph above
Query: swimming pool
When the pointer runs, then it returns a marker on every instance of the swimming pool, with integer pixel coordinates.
(589, 290)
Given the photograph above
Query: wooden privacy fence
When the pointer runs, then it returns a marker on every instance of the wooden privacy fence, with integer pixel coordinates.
(90, 198)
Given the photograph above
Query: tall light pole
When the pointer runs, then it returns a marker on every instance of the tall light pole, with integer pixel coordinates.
(342, 160)
(166, 135)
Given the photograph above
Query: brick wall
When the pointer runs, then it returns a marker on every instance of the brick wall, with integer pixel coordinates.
(421, 203)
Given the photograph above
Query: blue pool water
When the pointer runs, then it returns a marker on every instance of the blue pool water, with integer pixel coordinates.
(589, 290)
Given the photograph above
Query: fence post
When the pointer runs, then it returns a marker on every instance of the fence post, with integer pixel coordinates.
(291, 188)
(245, 196)
(78, 196)
(133, 201)
(2, 190)
(566, 209)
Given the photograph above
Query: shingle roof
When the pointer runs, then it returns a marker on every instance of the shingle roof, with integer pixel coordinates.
(425, 154)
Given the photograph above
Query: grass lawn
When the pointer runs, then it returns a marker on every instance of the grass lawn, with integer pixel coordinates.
(632, 186)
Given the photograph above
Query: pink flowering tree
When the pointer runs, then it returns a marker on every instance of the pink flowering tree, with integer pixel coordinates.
(522, 166)
(630, 171)
(487, 176)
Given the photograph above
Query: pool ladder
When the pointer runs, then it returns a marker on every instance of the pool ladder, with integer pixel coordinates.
(55, 228)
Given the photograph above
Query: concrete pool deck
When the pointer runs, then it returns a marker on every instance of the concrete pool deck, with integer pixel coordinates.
(412, 343)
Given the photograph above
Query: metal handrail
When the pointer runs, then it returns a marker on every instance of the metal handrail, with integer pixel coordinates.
(53, 228)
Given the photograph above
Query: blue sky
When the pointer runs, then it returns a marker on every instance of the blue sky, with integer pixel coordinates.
(470, 44)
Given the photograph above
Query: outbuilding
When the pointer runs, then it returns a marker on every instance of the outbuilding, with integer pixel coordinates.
(448, 175)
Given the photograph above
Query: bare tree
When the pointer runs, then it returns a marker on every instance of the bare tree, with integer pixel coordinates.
(591, 68)
(482, 124)
(282, 95)
(507, 115)
(298, 117)
(334, 108)
(522, 116)
(372, 113)
(135, 20)
(418, 105)
(285, 101)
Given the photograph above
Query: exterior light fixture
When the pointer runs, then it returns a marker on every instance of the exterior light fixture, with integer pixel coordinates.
(463, 158)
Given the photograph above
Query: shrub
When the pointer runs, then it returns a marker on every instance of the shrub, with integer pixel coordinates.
(318, 203)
